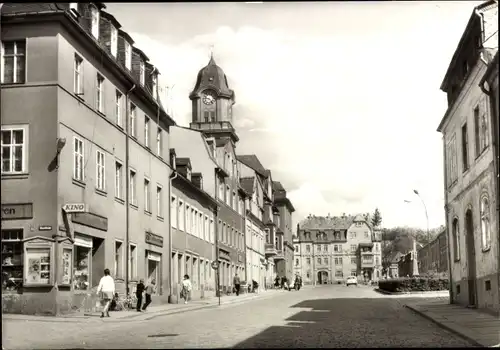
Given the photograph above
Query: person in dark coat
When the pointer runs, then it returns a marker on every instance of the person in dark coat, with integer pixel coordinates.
(138, 293)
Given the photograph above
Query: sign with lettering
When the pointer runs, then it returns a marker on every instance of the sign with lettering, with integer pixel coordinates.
(17, 211)
(75, 208)
(44, 228)
(215, 265)
(224, 255)
(154, 239)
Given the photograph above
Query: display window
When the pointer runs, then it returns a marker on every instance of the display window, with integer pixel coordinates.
(12, 260)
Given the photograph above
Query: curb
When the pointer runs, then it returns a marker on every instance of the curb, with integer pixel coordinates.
(444, 326)
(381, 291)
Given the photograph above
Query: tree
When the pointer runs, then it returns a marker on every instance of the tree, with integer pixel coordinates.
(377, 218)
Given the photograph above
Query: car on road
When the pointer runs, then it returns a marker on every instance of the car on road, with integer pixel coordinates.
(351, 280)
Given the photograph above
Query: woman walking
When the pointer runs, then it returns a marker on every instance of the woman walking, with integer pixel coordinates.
(186, 289)
(107, 291)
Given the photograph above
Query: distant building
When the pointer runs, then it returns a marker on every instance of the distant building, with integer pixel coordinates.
(330, 249)
(470, 175)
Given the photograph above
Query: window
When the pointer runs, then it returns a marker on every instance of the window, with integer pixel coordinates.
(118, 259)
(336, 248)
(146, 131)
(325, 261)
(118, 108)
(325, 248)
(159, 201)
(485, 223)
(142, 74)
(132, 120)
(132, 264)
(78, 159)
(354, 261)
(456, 240)
(118, 180)
(480, 130)
(147, 196)
(235, 201)
(14, 62)
(180, 215)
(228, 195)
(95, 22)
(465, 148)
(114, 41)
(99, 94)
(188, 218)
(13, 150)
(100, 170)
(194, 228)
(308, 260)
(81, 275)
(212, 238)
(207, 229)
(296, 248)
(201, 225)
(128, 55)
(12, 260)
(353, 247)
(452, 173)
(73, 6)
(318, 248)
(339, 274)
(308, 248)
(338, 261)
(296, 262)
(319, 261)
(78, 78)
(159, 143)
(154, 87)
(132, 188)
(173, 212)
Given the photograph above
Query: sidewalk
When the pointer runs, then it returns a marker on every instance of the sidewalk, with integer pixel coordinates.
(152, 312)
(477, 327)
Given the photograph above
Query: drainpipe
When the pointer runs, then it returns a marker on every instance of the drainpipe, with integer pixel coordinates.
(216, 223)
(127, 190)
(172, 177)
(449, 241)
(496, 156)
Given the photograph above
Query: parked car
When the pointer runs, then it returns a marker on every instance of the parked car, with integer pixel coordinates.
(351, 280)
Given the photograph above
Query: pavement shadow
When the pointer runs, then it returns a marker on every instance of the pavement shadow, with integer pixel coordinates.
(324, 325)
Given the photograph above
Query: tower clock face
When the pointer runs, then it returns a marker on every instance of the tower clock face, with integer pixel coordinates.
(208, 98)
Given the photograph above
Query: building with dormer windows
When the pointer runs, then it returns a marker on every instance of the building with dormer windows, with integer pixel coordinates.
(470, 166)
(330, 249)
(85, 168)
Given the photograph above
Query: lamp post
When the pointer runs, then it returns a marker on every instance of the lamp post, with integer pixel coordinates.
(426, 216)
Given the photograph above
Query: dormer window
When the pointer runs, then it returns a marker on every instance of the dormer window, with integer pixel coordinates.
(128, 55)
(142, 75)
(211, 146)
(114, 41)
(465, 68)
(95, 22)
(188, 174)
(154, 87)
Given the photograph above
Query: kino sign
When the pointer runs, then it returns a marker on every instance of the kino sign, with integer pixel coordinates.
(75, 208)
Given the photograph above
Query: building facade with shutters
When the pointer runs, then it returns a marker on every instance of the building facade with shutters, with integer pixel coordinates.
(85, 167)
(330, 249)
(470, 175)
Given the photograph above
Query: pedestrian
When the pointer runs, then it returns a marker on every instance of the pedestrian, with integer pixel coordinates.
(106, 289)
(186, 289)
(150, 290)
(237, 284)
(139, 289)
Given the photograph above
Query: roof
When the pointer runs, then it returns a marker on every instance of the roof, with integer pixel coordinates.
(462, 42)
(221, 142)
(277, 186)
(34, 7)
(212, 77)
(111, 18)
(126, 36)
(247, 183)
(183, 162)
(141, 53)
(253, 162)
(322, 222)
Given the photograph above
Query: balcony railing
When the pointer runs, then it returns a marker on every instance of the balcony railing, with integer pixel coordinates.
(367, 263)
(221, 125)
(270, 249)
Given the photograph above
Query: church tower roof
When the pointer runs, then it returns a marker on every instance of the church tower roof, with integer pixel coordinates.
(212, 77)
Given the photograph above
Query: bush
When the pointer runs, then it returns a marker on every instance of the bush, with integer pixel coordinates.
(414, 284)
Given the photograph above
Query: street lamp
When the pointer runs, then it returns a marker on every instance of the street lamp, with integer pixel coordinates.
(426, 216)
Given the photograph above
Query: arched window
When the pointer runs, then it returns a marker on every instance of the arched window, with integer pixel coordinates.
(456, 240)
(485, 223)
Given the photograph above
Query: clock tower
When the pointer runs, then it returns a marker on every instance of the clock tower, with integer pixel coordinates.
(212, 103)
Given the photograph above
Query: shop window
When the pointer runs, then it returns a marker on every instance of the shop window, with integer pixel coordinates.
(38, 266)
(339, 274)
(82, 268)
(12, 260)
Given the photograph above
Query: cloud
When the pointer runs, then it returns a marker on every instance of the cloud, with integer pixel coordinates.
(347, 120)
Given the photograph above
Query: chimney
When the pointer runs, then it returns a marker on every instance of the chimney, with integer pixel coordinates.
(197, 180)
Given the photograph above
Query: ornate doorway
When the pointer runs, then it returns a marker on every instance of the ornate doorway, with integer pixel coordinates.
(322, 277)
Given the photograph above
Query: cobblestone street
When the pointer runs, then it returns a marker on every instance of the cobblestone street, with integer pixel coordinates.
(324, 316)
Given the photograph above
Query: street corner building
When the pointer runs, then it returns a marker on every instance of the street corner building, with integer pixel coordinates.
(470, 143)
(329, 249)
(85, 159)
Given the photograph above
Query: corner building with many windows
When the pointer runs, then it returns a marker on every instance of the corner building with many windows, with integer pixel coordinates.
(81, 124)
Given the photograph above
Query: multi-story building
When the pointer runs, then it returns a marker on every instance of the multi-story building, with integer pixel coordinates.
(469, 165)
(297, 267)
(285, 209)
(192, 212)
(330, 249)
(211, 131)
(85, 145)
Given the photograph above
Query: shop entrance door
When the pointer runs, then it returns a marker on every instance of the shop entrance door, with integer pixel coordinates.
(153, 266)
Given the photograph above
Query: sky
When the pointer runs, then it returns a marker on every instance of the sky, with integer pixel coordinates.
(340, 100)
